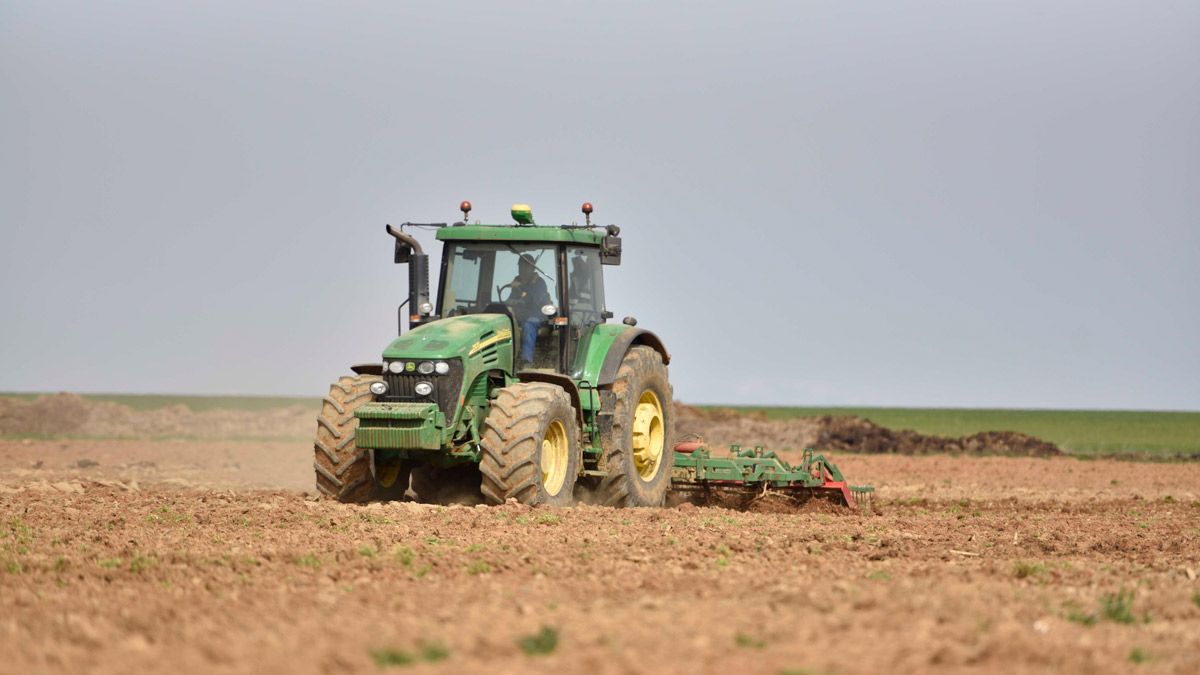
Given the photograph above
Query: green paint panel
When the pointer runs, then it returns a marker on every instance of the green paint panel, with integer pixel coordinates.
(382, 438)
(448, 338)
(598, 346)
(521, 233)
(384, 426)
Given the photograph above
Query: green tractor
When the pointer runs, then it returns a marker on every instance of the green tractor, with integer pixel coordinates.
(511, 384)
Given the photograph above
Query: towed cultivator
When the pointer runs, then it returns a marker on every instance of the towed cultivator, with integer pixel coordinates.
(755, 473)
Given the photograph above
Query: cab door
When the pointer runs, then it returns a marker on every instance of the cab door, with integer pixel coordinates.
(584, 291)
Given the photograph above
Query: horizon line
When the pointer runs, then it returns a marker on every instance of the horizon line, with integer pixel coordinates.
(683, 402)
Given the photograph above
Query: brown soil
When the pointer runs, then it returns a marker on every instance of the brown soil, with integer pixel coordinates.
(204, 556)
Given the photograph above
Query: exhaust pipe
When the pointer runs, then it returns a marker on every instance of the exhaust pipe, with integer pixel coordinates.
(408, 250)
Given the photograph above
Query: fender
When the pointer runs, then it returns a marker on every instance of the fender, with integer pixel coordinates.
(367, 369)
(621, 345)
(563, 381)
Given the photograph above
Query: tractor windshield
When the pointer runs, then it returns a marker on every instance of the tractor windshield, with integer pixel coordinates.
(522, 277)
(514, 279)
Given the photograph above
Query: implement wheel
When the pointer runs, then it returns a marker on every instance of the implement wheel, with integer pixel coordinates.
(343, 471)
(637, 452)
(530, 446)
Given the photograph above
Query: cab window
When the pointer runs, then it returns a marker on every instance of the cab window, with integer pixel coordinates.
(479, 274)
(585, 286)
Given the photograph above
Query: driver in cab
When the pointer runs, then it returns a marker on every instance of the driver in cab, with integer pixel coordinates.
(526, 299)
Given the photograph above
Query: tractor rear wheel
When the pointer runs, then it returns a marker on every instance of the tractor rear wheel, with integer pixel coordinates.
(343, 471)
(530, 446)
(637, 452)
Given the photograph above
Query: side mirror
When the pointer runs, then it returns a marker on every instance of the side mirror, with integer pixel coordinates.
(610, 246)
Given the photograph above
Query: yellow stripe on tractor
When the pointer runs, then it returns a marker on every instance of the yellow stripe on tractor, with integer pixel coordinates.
(484, 344)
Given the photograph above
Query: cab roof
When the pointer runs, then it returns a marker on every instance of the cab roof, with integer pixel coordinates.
(546, 233)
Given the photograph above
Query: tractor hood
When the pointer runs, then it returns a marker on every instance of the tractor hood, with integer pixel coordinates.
(454, 337)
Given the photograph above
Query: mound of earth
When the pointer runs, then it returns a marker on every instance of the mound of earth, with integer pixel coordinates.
(855, 434)
(74, 415)
(845, 434)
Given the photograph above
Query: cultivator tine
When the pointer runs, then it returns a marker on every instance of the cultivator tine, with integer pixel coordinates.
(864, 497)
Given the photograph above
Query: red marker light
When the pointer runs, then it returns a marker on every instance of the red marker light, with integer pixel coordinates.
(587, 207)
(465, 207)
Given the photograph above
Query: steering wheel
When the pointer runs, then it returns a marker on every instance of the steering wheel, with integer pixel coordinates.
(500, 292)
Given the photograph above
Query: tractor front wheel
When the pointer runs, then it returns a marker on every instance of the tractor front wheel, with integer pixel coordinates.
(530, 446)
(343, 471)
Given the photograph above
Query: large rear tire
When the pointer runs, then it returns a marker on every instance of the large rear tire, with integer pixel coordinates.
(343, 471)
(637, 450)
(530, 446)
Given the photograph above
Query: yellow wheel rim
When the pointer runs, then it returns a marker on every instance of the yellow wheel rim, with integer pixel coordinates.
(387, 473)
(555, 457)
(648, 436)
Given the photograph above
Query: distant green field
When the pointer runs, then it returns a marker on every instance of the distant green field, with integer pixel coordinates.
(1080, 432)
(196, 403)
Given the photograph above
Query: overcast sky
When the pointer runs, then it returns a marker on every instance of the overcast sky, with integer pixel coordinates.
(906, 204)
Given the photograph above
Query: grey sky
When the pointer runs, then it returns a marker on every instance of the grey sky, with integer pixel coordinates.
(940, 203)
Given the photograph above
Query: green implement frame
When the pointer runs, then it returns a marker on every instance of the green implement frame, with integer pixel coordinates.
(762, 471)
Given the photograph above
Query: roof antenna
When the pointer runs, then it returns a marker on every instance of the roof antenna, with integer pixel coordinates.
(587, 213)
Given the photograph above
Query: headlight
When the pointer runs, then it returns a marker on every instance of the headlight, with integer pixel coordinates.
(441, 367)
(426, 308)
(549, 310)
(396, 367)
(423, 388)
(379, 388)
(426, 368)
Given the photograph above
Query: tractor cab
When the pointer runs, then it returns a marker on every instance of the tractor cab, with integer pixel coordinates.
(553, 293)
(547, 280)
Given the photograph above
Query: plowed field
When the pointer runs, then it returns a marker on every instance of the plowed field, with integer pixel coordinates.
(207, 556)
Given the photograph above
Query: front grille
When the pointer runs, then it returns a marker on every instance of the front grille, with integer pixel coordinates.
(446, 388)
